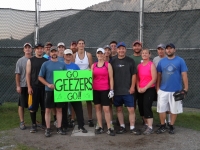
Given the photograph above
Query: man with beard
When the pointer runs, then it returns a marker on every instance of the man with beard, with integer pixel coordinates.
(61, 48)
(113, 46)
(35, 87)
(21, 86)
(171, 71)
(46, 77)
(73, 46)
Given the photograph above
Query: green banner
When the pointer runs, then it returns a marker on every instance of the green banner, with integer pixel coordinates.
(73, 85)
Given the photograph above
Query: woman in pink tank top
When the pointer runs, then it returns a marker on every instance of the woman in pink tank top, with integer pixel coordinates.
(102, 90)
(146, 79)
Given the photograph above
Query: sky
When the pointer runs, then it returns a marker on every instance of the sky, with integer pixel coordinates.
(48, 4)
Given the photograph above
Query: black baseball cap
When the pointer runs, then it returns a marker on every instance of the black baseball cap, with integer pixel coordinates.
(39, 45)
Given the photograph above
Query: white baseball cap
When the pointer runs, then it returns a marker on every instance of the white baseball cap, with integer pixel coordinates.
(68, 51)
(61, 44)
(27, 44)
(100, 50)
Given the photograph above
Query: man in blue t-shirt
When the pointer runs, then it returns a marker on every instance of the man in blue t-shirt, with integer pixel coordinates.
(77, 106)
(171, 71)
(46, 77)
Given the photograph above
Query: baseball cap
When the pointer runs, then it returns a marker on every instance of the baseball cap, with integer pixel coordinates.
(27, 44)
(53, 48)
(48, 43)
(170, 45)
(137, 42)
(121, 44)
(100, 50)
(161, 46)
(73, 42)
(68, 51)
(61, 44)
(106, 46)
(39, 45)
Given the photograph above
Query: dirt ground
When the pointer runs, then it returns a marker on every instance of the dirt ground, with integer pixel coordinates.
(183, 139)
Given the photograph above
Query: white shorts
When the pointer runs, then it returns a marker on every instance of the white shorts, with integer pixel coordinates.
(166, 102)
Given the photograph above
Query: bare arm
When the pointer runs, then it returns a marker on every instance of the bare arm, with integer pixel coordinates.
(41, 79)
(17, 79)
(185, 80)
(28, 76)
(158, 81)
(110, 72)
(90, 59)
(132, 88)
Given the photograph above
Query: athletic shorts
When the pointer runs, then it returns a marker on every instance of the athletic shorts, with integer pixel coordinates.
(145, 101)
(101, 97)
(127, 100)
(49, 101)
(23, 97)
(38, 98)
(166, 102)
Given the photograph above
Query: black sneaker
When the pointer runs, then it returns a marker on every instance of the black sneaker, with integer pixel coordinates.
(47, 133)
(60, 131)
(135, 131)
(90, 122)
(171, 129)
(111, 132)
(33, 128)
(83, 130)
(99, 130)
(121, 130)
(64, 129)
(162, 129)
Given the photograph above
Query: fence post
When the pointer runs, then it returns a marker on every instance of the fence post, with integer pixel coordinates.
(141, 20)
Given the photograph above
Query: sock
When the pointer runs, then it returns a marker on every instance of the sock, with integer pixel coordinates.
(165, 121)
(132, 127)
(122, 125)
(54, 116)
(169, 118)
(150, 127)
(110, 122)
(43, 117)
(33, 117)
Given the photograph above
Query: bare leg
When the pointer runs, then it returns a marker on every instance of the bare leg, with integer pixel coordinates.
(131, 111)
(120, 115)
(89, 109)
(162, 117)
(59, 116)
(99, 114)
(48, 117)
(173, 119)
(106, 110)
(21, 113)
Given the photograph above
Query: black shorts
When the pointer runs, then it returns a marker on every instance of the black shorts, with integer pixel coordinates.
(38, 98)
(23, 97)
(145, 101)
(49, 101)
(101, 97)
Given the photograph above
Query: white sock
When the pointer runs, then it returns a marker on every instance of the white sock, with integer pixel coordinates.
(169, 117)
(110, 122)
(150, 127)
(122, 125)
(132, 127)
(165, 121)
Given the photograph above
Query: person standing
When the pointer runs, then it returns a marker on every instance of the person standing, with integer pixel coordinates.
(84, 60)
(172, 70)
(113, 46)
(73, 46)
(61, 48)
(146, 79)
(46, 77)
(47, 47)
(124, 74)
(102, 90)
(35, 87)
(21, 86)
(77, 106)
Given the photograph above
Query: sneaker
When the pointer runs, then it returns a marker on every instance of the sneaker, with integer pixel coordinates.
(42, 127)
(33, 128)
(111, 132)
(162, 129)
(90, 122)
(97, 126)
(64, 129)
(144, 128)
(83, 130)
(99, 130)
(121, 130)
(22, 125)
(171, 129)
(47, 133)
(60, 131)
(135, 131)
(148, 131)
(55, 123)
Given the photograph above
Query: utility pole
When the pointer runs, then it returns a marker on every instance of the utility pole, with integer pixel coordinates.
(37, 20)
(141, 15)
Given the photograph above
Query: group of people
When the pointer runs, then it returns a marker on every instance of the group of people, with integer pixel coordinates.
(118, 80)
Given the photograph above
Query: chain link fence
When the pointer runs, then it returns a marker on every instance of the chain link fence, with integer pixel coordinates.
(98, 28)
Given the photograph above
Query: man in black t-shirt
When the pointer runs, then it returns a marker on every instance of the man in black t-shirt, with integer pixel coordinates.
(124, 72)
(35, 87)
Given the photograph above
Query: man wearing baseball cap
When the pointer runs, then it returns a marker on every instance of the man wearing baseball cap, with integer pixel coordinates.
(73, 46)
(21, 86)
(172, 70)
(161, 54)
(61, 48)
(113, 46)
(46, 77)
(47, 47)
(124, 73)
(35, 87)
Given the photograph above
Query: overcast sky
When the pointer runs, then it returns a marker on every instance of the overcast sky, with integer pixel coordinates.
(48, 4)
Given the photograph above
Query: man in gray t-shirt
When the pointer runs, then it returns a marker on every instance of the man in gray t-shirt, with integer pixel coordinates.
(124, 74)
(21, 86)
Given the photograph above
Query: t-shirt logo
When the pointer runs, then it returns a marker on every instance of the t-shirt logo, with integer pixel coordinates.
(170, 69)
(120, 65)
